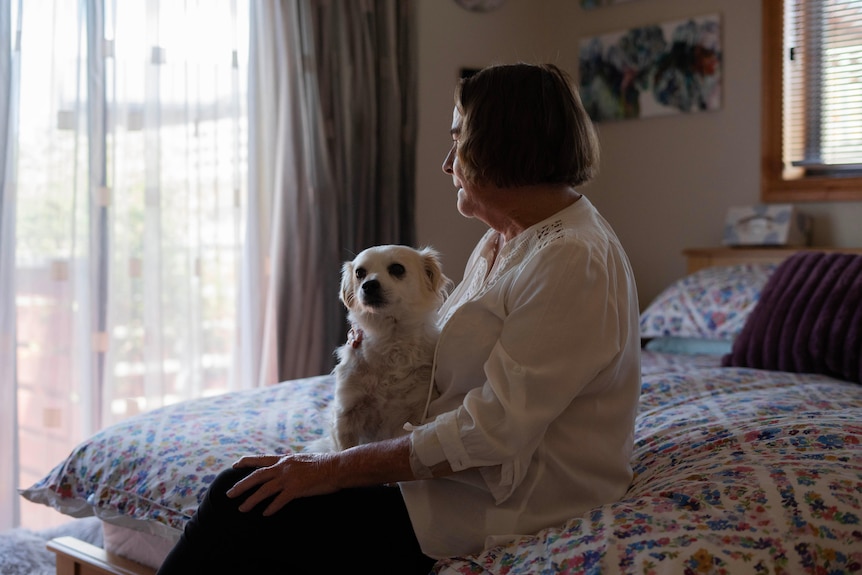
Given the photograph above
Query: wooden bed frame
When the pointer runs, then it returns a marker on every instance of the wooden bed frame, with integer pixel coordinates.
(74, 557)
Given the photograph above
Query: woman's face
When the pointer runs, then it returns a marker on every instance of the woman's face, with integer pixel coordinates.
(471, 197)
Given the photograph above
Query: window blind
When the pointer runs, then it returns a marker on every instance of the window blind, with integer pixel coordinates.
(823, 86)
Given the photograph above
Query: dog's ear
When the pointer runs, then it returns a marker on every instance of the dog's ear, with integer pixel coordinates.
(347, 293)
(437, 281)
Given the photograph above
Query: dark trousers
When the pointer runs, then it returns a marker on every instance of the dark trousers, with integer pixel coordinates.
(364, 530)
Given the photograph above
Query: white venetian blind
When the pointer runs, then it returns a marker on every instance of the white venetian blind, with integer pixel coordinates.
(823, 86)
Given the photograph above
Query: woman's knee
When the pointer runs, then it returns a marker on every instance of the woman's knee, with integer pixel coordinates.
(216, 500)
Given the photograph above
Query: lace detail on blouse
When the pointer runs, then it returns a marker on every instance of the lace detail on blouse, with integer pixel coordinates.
(514, 254)
(479, 274)
(549, 233)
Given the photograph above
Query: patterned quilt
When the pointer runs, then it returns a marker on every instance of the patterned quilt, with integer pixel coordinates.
(737, 471)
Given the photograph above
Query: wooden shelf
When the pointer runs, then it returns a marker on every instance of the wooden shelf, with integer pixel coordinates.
(699, 258)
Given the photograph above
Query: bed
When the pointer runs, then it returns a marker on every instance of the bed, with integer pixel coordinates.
(747, 454)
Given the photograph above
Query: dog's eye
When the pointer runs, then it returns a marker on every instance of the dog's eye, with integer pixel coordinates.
(396, 270)
(360, 273)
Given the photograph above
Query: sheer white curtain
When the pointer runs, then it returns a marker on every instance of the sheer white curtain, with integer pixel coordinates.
(9, 68)
(332, 148)
(122, 233)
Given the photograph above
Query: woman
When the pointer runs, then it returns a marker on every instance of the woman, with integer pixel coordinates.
(538, 369)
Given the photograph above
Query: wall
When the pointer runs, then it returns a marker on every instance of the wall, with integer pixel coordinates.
(665, 183)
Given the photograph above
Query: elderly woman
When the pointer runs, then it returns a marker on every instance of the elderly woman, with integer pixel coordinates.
(538, 372)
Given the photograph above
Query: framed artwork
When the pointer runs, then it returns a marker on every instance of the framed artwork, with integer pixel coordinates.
(657, 70)
(590, 4)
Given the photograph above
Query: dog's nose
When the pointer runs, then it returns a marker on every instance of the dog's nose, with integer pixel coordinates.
(372, 293)
(371, 286)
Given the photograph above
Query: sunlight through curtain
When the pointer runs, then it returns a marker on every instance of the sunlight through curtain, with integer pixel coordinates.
(9, 67)
(129, 211)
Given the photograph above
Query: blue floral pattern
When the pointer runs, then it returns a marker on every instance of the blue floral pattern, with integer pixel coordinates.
(711, 304)
(150, 471)
(736, 471)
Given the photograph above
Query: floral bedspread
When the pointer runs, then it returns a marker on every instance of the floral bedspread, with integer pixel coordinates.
(737, 471)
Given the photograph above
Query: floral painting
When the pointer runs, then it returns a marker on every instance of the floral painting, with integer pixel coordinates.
(590, 4)
(662, 69)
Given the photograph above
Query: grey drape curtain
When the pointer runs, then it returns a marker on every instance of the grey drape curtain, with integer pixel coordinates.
(333, 124)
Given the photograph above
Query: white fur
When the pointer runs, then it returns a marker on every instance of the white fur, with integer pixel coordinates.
(383, 382)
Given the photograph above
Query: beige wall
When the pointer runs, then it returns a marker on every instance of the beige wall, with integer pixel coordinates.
(665, 183)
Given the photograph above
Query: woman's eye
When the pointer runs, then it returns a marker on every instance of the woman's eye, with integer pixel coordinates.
(360, 273)
(396, 270)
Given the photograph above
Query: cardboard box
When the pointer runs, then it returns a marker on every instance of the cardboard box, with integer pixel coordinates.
(766, 225)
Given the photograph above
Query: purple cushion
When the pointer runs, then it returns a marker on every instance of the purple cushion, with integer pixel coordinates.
(808, 319)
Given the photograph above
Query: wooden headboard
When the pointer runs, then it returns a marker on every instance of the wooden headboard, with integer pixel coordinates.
(699, 258)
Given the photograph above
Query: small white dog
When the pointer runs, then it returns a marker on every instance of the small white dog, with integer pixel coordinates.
(383, 375)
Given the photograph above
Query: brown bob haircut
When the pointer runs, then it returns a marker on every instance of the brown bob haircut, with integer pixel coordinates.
(524, 124)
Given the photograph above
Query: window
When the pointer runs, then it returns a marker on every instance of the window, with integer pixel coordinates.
(131, 179)
(812, 100)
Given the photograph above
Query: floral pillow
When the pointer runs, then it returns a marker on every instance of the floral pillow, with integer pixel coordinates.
(712, 303)
(150, 471)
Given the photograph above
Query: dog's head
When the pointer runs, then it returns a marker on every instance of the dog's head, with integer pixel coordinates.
(396, 282)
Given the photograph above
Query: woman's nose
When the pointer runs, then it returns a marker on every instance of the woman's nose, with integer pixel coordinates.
(449, 160)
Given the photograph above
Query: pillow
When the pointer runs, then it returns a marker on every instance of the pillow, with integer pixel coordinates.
(689, 345)
(808, 319)
(712, 303)
(149, 472)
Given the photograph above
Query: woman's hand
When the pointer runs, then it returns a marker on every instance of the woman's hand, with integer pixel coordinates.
(286, 477)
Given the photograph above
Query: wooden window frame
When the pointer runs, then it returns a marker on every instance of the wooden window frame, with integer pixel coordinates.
(773, 187)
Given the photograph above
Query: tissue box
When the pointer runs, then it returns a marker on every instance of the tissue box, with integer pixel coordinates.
(768, 225)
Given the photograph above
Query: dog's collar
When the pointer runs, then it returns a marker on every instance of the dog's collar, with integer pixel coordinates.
(354, 337)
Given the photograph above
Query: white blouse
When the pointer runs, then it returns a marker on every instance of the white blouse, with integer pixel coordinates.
(538, 368)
